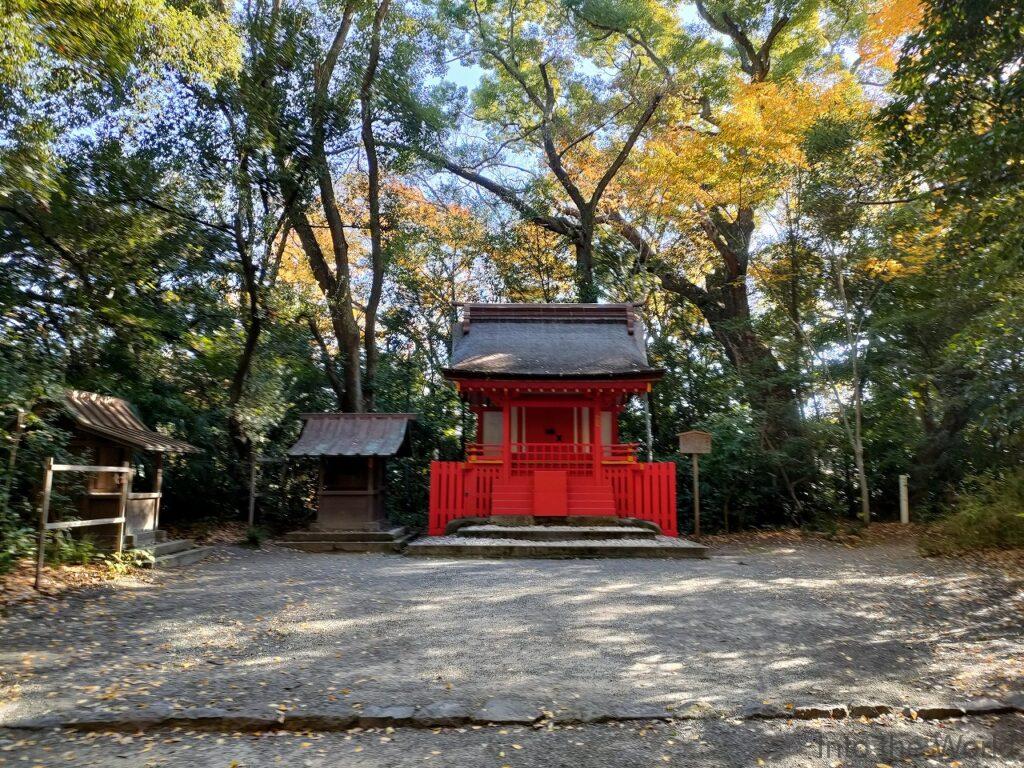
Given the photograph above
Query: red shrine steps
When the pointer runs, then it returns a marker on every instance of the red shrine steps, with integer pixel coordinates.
(583, 496)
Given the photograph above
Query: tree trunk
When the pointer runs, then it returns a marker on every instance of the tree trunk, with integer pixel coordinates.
(586, 288)
(339, 308)
(858, 436)
(725, 305)
(373, 200)
(325, 356)
(858, 398)
(766, 386)
(292, 165)
(240, 442)
(251, 274)
(936, 464)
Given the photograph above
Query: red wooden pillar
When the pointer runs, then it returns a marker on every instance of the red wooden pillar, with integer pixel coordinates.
(595, 435)
(506, 436)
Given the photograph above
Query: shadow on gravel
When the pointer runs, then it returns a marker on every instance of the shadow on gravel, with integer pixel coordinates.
(278, 628)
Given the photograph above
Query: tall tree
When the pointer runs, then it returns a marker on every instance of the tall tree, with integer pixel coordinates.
(332, 77)
(691, 210)
(566, 88)
(955, 133)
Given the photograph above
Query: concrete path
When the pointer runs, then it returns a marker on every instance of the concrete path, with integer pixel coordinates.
(279, 630)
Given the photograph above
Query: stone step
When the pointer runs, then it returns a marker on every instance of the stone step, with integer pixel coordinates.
(168, 547)
(587, 520)
(182, 557)
(458, 546)
(555, 532)
(387, 536)
(584, 520)
(144, 539)
(592, 509)
(395, 545)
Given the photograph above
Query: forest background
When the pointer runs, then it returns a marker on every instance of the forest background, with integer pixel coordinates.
(234, 213)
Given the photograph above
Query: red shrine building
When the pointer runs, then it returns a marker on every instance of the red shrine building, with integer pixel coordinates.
(546, 383)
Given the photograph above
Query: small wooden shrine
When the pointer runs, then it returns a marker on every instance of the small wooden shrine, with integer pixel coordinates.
(353, 449)
(547, 383)
(107, 432)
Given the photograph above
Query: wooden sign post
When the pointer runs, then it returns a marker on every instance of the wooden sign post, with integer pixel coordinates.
(695, 443)
(904, 501)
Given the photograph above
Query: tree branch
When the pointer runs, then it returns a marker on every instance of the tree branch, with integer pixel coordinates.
(325, 71)
(557, 224)
(554, 158)
(626, 148)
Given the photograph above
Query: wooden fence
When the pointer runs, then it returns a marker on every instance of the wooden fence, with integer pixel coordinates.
(44, 507)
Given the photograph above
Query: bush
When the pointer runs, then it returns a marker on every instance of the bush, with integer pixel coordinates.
(255, 536)
(988, 515)
(62, 549)
(16, 541)
(121, 563)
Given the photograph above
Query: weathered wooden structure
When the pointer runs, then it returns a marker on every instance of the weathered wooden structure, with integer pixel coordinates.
(697, 443)
(546, 383)
(106, 431)
(352, 449)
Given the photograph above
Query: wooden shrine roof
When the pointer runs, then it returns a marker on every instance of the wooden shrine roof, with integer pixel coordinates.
(114, 418)
(353, 434)
(549, 341)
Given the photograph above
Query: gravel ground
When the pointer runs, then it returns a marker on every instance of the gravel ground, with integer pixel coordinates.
(986, 741)
(811, 622)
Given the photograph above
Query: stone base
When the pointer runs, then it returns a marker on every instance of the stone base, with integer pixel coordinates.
(144, 539)
(165, 553)
(556, 532)
(555, 541)
(387, 540)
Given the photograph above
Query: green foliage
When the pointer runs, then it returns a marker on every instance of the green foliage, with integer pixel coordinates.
(142, 192)
(988, 514)
(122, 563)
(739, 482)
(99, 51)
(254, 537)
(287, 496)
(958, 117)
(16, 541)
(65, 548)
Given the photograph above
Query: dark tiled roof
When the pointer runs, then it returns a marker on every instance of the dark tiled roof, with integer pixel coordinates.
(353, 434)
(549, 340)
(113, 417)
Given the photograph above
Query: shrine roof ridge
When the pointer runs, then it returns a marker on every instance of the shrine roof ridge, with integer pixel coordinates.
(115, 418)
(549, 341)
(353, 434)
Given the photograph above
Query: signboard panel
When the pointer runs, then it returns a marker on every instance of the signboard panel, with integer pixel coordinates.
(695, 442)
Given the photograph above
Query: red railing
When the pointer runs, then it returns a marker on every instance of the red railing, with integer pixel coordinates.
(646, 492)
(641, 490)
(447, 495)
(478, 488)
(575, 458)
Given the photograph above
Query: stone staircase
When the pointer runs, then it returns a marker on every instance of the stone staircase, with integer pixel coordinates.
(166, 554)
(572, 536)
(385, 540)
